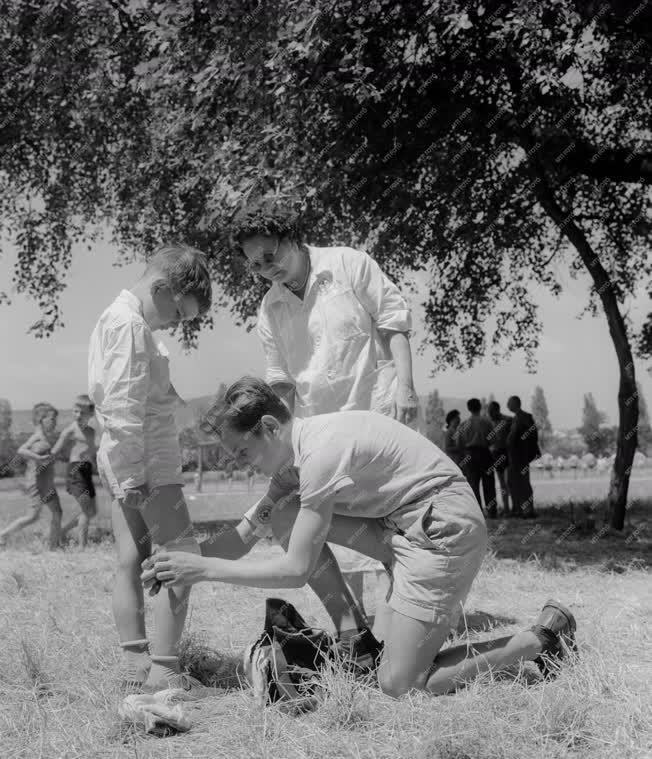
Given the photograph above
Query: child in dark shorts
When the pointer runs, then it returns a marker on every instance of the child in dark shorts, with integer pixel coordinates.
(77, 444)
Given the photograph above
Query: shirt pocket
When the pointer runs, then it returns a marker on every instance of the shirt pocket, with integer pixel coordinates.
(341, 313)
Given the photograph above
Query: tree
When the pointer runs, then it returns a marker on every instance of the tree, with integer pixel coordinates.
(7, 445)
(597, 436)
(539, 410)
(644, 428)
(435, 418)
(489, 144)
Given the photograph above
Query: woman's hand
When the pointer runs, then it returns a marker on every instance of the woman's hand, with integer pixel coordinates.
(173, 568)
(406, 404)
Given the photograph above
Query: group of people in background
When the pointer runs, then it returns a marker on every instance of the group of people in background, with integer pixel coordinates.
(75, 444)
(495, 445)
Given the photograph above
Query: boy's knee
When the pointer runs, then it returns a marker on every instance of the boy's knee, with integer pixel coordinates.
(393, 685)
(129, 560)
(282, 520)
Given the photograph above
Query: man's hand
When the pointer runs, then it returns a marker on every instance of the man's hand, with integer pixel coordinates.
(173, 568)
(133, 498)
(406, 404)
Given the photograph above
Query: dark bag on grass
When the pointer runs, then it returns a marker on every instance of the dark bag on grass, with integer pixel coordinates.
(282, 663)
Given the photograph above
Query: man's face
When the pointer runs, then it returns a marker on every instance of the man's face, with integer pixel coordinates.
(262, 449)
(267, 257)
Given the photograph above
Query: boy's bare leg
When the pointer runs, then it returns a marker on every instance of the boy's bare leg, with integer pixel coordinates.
(411, 647)
(55, 522)
(166, 515)
(32, 516)
(88, 511)
(133, 546)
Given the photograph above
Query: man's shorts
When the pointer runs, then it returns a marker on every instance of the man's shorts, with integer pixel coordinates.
(79, 479)
(438, 547)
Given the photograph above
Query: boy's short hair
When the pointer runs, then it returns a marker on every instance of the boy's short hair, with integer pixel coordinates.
(474, 405)
(85, 404)
(243, 406)
(266, 218)
(41, 410)
(451, 415)
(184, 270)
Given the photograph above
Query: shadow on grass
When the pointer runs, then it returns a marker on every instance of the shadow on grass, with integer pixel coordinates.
(575, 534)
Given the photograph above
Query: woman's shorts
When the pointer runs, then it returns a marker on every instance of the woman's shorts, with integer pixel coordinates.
(437, 549)
(79, 479)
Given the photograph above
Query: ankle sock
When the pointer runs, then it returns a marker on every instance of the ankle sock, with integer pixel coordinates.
(136, 659)
(164, 672)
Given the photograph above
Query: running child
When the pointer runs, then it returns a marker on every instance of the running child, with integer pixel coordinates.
(77, 444)
(365, 474)
(138, 457)
(39, 475)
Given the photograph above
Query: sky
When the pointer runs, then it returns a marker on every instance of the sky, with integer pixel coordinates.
(576, 356)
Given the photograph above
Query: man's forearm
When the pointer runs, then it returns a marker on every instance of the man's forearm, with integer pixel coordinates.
(399, 347)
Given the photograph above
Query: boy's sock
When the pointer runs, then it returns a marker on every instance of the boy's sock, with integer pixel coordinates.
(137, 662)
(164, 673)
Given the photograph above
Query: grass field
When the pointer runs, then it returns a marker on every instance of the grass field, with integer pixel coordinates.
(59, 664)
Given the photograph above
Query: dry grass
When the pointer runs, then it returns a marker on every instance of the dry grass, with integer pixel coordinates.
(59, 667)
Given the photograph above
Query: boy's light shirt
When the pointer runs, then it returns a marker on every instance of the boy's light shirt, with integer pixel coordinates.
(328, 345)
(129, 382)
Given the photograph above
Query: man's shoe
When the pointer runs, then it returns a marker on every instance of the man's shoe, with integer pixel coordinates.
(555, 627)
(360, 653)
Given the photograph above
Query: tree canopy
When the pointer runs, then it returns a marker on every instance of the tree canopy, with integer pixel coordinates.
(492, 145)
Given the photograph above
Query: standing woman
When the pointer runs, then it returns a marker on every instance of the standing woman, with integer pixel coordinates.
(335, 331)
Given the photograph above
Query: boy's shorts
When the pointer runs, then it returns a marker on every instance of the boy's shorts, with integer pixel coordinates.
(438, 547)
(79, 479)
(163, 469)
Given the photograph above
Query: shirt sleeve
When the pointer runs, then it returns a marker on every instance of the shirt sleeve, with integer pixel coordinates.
(276, 365)
(324, 472)
(379, 296)
(126, 378)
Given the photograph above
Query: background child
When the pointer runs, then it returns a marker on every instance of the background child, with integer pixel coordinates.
(39, 476)
(138, 457)
(77, 443)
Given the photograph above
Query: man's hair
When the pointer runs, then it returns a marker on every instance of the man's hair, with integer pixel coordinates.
(41, 410)
(264, 217)
(514, 400)
(184, 270)
(243, 406)
(85, 404)
(474, 405)
(451, 415)
(493, 407)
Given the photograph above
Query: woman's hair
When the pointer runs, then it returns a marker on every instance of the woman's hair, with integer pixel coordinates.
(451, 415)
(41, 410)
(266, 218)
(84, 404)
(243, 406)
(185, 272)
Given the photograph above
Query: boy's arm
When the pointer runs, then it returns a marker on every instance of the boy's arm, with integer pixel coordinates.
(26, 452)
(62, 442)
(126, 380)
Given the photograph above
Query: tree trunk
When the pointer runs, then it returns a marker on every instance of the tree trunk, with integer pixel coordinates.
(626, 440)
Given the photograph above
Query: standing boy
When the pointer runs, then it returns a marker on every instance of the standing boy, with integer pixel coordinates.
(77, 442)
(139, 458)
